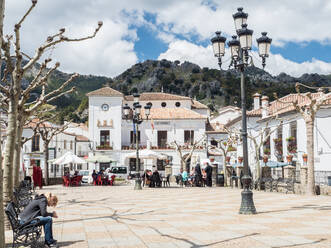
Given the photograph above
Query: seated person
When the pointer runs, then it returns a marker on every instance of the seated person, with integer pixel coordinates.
(37, 208)
(76, 173)
(191, 176)
(185, 177)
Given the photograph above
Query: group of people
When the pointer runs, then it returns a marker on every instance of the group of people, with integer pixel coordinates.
(198, 176)
(103, 178)
(152, 179)
(37, 209)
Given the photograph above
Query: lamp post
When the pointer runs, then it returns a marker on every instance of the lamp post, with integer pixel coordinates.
(137, 120)
(240, 60)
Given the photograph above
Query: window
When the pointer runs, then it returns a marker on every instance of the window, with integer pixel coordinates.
(57, 167)
(104, 166)
(52, 168)
(79, 167)
(132, 164)
(70, 144)
(104, 138)
(160, 164)
(162, 139)
(177, 104)
(35, 143)
(64, 144)
(214, 143)
(163, 104)
(266, 145)
(279, 144)
(133, 137)
(189, 137)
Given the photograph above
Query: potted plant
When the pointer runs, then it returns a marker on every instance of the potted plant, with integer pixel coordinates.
(227, 159)
(305, 157)
(265, 159)
(291, 144)
(266, 151)
(289, 158)
(212, 159)
(240, 159)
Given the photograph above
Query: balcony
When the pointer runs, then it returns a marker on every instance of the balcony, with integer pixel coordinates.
(104, 147)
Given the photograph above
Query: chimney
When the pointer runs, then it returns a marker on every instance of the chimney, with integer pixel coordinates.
(256, 98)
(265, 106)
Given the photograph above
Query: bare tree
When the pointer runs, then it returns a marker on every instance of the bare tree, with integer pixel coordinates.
(47, 131)
(19, 109)
(226, 145)
(184, 158)
(307, 104)
(258, 140)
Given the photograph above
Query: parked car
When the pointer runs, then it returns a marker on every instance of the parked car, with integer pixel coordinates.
(87, 176)
(119, 171)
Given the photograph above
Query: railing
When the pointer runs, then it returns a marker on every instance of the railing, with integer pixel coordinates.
(321, 177)
(105, 147)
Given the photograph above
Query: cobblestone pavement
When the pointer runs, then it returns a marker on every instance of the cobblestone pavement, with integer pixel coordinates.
(118, 216)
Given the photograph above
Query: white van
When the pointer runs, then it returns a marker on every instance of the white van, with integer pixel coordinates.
(87, 176)
(119, 171)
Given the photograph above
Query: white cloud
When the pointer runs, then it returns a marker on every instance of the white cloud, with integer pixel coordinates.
(203, 56)
(113, 49)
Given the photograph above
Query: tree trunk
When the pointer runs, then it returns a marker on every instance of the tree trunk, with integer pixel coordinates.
(224, 170)
(17, 152)
(310, 153)
(9, 152)
(2, 217)
(46, 143)
(258, 168)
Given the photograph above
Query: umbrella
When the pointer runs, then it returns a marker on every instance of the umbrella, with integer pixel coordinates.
(68, 158)
(146, 154)
(99, 159)
(275, 164)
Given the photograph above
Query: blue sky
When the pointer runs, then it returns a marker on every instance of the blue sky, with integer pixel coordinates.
(138, 30)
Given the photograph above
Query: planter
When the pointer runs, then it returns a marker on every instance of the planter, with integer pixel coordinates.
(211, 160)
(305, 157)
(289, 158)
(240, 159)
(265, 159)
(227, 159)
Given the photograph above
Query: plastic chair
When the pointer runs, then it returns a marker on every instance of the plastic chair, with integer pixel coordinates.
(99, 180)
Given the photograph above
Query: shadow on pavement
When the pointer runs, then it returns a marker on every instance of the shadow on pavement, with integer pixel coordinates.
(294, 245)
(194, 245)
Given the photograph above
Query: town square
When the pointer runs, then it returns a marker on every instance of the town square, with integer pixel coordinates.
(146, 124)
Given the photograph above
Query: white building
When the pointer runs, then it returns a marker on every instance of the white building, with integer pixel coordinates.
(288, 131)
(172, 117)
(33, 149)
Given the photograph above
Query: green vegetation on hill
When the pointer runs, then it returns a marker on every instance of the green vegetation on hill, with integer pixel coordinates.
(210, 86)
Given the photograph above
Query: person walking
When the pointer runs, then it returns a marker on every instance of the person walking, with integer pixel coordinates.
(198, 176)
(37, 208)
(209, 172)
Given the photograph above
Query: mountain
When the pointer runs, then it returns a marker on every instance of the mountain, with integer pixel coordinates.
(212, 87)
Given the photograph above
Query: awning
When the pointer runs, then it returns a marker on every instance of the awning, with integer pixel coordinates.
(68, 158)
(274, 164)
(146, 154)
(99, 159)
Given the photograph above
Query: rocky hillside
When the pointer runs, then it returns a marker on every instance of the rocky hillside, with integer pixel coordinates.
(210, 86)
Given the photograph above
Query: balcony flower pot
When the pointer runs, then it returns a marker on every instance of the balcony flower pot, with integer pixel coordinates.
(289, 158)
(305, 157)
(240, 159)
(211, 160)
(265, 159)
(227, 159)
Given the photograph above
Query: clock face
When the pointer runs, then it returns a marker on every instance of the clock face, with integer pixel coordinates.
(105, 107)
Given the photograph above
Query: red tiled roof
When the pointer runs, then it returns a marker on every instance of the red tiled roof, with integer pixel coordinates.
(215, 128)
(81, 138)
(33, 123)
(285, 103)
(198, 105)
(105, 91)
(172, 114)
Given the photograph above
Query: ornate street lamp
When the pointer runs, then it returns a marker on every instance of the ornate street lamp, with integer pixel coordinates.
(239, 60)
(137, 120)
